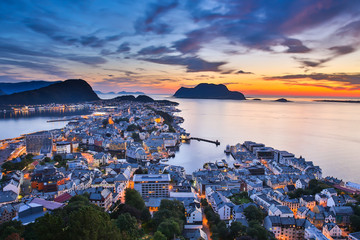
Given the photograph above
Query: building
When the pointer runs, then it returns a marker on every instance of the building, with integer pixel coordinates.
(7, 213)
(101, 197)
(354, 236)
(193, 213)
(40, 142)
(47, 179)
(331, 231)
(286, 228)
(152, 185)
(63, 147)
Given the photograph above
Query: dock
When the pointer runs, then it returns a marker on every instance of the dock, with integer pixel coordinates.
(217, 143)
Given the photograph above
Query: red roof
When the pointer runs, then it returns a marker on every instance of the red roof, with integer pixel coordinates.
(63, 198)
(35, 163)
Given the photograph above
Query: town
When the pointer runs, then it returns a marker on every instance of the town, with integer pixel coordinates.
(119, 158)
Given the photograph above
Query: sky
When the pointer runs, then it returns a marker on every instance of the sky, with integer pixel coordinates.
(258, 47)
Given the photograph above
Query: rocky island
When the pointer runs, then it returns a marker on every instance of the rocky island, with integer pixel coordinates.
(209, 91)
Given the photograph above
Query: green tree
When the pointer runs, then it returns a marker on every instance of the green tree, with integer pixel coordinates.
(8, 228)
(134, 199)
(204, 202)
(257, 231)
(354, 223)
(169, 228)
(128, 224)
(253, 213)
(159, 236)
(237, 230)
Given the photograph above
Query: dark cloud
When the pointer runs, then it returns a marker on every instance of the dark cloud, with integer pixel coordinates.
(349, 81)
(88, 60)
(192, 64)
(152, 50)
(295, 46)
(342, 50)
(57, 34)
(243, 72)
(152, 22)
(124, 47)
(42, 67)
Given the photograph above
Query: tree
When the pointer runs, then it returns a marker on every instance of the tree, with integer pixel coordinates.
(169, 228)
(204, 202)
(128, 224)
(11, 227)
(159, 236)
(253, 213)
(134, 199)
(145, 215)
(78, 220)
(237, 230)
(257, 231)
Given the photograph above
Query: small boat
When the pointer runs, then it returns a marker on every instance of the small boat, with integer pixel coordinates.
(220, 164)
(227, 149)
(164, 160)
(237, 165)
(171, 154)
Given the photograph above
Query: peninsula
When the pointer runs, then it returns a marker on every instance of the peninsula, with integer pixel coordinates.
(69, 91)
(209, 91)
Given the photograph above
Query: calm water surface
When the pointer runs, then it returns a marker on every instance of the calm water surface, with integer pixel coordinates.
(326, 133)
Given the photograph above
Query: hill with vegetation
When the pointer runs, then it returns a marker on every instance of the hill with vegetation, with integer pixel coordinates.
(209, 91)
(69, 91)
(10, 88)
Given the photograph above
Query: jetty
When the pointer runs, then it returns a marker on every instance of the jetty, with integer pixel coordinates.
(217, 143)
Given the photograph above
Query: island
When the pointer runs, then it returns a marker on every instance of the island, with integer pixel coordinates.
(69, 91)
(282, 100)
(135, 93)
(209, 91)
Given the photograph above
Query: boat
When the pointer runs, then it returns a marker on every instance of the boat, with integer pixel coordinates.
(225, 163)
(227, 149)
(220, 164)
(164, 160)
(171, 154)
(237, 165)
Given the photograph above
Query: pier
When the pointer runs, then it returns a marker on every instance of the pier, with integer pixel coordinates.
(217, 143)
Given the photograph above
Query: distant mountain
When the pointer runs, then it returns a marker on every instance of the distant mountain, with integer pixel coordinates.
(136, 93)
(10, 88)
(2, 93)
(98, 92)
(140, 98)
(69, 91)
(209, 91)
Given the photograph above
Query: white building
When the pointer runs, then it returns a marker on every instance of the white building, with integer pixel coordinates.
(331, 231)
(281, 211)
(193, 214)
(152, 185)
(63, 147)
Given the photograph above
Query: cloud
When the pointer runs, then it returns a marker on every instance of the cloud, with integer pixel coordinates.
(243, 72)
(59, 35)
(152, 21)
(42, 67)
(90, 60)
(124, 47)
(347, 81)
(342, 50)
(152, 50)
(295, 46)
(192, 64)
